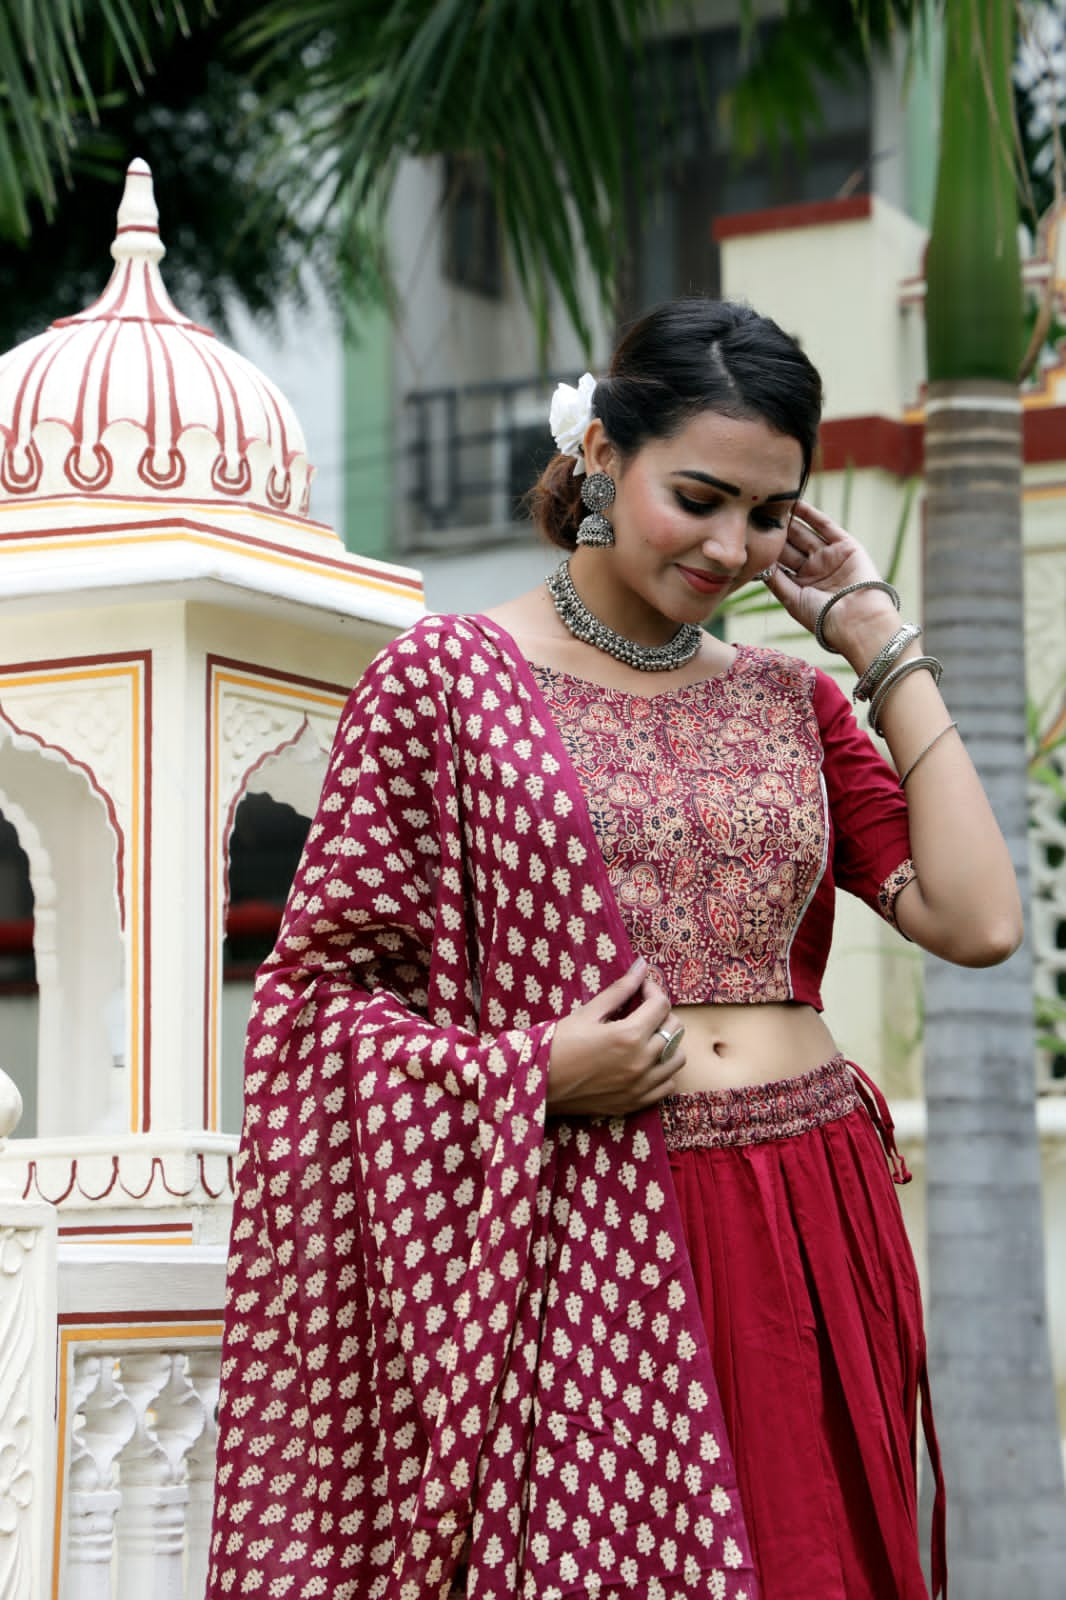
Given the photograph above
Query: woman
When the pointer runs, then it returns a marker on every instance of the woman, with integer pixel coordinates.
(566, 1258)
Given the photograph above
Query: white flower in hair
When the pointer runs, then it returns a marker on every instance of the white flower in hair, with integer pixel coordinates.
(570, 415)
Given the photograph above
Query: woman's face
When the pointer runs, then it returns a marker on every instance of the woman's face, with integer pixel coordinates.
(694, 517)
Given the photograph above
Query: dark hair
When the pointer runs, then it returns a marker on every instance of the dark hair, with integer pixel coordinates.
(685, 357)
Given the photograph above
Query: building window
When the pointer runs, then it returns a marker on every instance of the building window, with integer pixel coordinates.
(694, 174)
(472, 453)
(473, 258)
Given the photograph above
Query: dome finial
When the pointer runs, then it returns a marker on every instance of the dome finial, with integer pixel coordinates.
(130, 397)
(138, 217)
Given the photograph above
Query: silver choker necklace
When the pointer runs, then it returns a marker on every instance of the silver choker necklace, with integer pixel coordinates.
(575, 615)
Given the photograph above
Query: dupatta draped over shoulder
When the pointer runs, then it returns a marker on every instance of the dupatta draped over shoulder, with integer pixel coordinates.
(463, 1349)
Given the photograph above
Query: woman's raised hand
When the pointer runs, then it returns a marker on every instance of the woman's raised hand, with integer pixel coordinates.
(818, 559)
(606, 1065)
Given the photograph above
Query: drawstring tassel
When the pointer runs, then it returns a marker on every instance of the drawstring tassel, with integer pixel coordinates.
(881, 1117)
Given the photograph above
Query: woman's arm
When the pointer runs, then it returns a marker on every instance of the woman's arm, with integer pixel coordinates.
(963, 904)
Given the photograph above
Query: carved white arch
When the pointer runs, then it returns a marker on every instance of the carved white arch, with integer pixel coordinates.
(73, 1049)
(268, 734)
(31, 741)
(291, 774)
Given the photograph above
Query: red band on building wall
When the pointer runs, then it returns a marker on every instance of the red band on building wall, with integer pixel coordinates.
(809, 214)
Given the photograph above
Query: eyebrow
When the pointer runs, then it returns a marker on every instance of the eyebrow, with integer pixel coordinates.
(731, 488)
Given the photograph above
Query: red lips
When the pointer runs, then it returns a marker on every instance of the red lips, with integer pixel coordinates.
(703, 582)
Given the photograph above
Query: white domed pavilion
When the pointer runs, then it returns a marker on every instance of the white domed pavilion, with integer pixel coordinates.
(177, 638)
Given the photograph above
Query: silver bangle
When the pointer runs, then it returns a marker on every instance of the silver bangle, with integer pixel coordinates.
(892, 679)
(925, 751)
(884, 658)
(849, 588)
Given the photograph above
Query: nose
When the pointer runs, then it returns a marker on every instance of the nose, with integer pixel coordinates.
(727, 543)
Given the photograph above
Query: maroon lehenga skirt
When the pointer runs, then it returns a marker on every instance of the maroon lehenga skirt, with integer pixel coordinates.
(810, 1297)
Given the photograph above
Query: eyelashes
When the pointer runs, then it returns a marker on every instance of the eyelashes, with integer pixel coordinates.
(705, 508)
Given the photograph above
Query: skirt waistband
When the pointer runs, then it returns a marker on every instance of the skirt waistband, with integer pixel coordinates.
(712, 1119)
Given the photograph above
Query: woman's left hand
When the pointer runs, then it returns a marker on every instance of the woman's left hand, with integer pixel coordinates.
(819, 558)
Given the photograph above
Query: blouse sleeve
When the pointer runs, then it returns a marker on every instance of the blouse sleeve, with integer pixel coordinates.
(871, 837)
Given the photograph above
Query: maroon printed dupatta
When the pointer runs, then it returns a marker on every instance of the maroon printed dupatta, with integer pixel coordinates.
(456, 1338)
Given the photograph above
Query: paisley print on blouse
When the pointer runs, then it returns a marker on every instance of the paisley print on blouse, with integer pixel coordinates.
(710, 809)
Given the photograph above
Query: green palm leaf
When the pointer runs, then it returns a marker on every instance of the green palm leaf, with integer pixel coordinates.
(45, 83)
(537, 93)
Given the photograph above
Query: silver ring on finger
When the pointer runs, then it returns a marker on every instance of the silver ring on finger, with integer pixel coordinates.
(672, 1041)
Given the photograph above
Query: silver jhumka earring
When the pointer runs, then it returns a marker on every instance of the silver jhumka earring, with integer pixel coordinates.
(597, 493)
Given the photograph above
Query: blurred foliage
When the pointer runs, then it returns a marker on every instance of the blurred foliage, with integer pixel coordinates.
(224, 173)
(535, 92)
(778, 100)
(58, 58)
(275, 130)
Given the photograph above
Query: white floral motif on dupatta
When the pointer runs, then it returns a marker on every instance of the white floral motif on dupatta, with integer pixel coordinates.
(454, 1336)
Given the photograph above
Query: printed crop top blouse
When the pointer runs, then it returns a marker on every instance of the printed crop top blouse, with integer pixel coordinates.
(728, 811)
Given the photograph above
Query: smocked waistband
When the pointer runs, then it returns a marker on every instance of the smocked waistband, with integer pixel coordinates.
(712, 1119)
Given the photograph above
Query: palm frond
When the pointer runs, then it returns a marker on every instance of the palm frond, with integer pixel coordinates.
(777, 100)
(47, 86)
(537, 93)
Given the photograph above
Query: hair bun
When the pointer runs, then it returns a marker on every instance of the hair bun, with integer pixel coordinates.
(555, 502)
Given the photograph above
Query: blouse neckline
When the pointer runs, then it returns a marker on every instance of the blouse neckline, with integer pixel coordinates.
(739, 651)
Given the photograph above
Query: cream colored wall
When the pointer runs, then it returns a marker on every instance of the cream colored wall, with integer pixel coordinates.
(836, 287)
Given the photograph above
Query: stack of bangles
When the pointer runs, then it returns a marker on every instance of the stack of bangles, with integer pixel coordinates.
(885, 671)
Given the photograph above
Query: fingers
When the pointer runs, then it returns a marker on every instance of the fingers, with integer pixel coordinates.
(606, 1056)
(614, 998)
(816, 521)
(808, 534)
(661, 1074)
(654, 1007)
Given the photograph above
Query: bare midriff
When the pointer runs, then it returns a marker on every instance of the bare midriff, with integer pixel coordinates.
(729, 1046)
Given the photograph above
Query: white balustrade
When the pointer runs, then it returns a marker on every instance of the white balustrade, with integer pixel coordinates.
(102, 1423)
(137, 1513)
(27, 1380)
(202, 1368)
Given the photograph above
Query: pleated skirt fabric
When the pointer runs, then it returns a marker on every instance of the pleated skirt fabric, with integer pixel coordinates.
(810, 1297)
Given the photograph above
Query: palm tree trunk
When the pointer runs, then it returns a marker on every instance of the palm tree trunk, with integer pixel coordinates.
(989, 1351)
(988, 1335)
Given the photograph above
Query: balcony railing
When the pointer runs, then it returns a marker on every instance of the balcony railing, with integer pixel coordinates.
(470, 453)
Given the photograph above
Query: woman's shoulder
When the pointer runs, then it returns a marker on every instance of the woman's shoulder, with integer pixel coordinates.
(788, 674)
(435, 653)
(440, 638)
